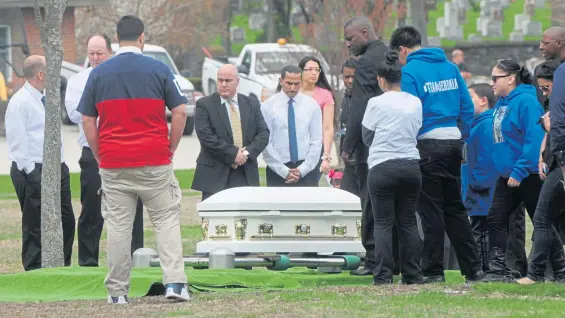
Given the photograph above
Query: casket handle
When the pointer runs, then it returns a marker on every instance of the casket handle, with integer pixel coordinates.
(333, 213)
(273, 212)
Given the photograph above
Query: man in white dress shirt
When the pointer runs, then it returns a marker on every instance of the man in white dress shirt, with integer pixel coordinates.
(90, 222)
(25, 127)
(295, 141)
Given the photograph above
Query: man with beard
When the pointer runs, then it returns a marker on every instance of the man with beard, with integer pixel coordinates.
(361, 39)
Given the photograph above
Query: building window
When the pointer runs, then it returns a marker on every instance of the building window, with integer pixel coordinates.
(5, 52)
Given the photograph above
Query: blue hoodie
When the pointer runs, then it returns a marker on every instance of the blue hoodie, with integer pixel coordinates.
(478, 175)
(446, 102)
(517, 134)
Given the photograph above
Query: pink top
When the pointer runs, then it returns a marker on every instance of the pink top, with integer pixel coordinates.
(323, 97)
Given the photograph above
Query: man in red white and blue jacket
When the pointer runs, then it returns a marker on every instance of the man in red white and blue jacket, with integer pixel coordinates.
(128, 95)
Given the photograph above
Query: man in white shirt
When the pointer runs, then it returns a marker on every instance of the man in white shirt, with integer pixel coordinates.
(25, 127)
(90, 222)
(295, 141)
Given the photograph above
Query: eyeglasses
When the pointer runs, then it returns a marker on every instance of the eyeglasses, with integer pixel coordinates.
(316, 69)
(494, 78)
(545, 88)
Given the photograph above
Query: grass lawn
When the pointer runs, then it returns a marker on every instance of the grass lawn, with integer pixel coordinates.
(453, 299)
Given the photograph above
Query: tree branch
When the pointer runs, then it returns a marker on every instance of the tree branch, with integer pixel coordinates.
(40, 23)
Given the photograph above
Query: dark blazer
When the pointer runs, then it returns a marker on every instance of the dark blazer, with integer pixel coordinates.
(217, 151)
(365, 86)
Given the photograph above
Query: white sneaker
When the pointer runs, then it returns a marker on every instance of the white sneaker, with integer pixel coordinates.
(178, 291)
(120, 300)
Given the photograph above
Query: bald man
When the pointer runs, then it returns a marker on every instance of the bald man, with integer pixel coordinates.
(232, 134)
(25, 126)
(552, 47)
(90, 222)
(458, 57)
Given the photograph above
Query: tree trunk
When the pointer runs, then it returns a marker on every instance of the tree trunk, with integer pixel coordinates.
(558, 12)
(51, 226)
(418, 15)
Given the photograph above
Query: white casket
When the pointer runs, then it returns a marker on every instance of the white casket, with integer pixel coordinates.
(281, 220)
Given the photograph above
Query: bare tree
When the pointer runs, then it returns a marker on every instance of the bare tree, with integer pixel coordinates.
(177, 25)
(557, 12)
(51, 226)
(419, 17)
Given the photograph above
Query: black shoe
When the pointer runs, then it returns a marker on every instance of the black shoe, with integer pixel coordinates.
(434, 279)
(382, 282)
(516, 274)
(476, 277)
(497, 278)
(362, 272)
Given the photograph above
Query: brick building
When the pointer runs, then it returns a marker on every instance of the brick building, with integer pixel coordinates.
(18, 30)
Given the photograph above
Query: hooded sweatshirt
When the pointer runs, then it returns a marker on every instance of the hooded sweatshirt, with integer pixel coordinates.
(446, 102)
(517, 134)
(478, 174)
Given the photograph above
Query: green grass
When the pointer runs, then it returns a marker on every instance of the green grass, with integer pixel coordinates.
(184, 176)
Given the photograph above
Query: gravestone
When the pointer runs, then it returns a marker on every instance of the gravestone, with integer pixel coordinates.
(257, 21)
(434, 41)
(523, 22)
(489, 23)
(237, 34)
(474, 37)
(450, 26)
(517, 36)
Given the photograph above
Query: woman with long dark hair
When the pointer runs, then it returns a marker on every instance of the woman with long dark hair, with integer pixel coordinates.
(315, 84)
(390, 126)
(517, 140)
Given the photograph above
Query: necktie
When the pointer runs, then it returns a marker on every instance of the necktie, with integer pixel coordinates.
(235, 126)
(43, 100)
(292, 143)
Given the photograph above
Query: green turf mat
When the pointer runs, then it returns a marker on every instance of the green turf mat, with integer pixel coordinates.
(76, 283)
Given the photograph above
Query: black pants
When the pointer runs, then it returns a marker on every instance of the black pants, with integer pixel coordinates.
(309, 180)
(349, 180)
(441, 209)
(236, 178)
(516, 240)
(394, 188)
(28, 190)
(504, 203)
(90, 222)
(547, 242)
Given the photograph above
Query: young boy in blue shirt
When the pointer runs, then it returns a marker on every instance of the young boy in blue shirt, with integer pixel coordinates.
(478, 175)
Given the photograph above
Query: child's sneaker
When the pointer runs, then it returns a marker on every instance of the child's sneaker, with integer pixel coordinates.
(178, 291)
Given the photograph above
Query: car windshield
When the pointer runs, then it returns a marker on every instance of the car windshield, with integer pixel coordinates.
(162, 57)
(273, 62)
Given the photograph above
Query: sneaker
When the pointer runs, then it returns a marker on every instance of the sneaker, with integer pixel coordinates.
(120, 300)
(178, 291)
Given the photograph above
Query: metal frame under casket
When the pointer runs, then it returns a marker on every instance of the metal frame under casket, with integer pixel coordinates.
(281, 220)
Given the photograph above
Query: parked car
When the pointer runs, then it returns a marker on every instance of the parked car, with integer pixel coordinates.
(259, 67)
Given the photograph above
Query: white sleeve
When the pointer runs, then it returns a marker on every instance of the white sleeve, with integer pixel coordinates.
(72, 99)
(316, 132)
(16, 136)
(270, 155)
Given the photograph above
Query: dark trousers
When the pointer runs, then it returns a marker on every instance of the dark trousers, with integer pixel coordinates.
(516, 240)
(394, 188)
(349, 180)
(309, 180)
(441, 209)
(504, 203)
(28, 190)
(90, 222)
(547, 242)
(237, 178)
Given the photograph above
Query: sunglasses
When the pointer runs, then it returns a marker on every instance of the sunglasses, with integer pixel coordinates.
(545, 88)
(494, 78)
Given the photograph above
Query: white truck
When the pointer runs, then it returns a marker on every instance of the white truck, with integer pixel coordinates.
(259, 67)
(160, 54)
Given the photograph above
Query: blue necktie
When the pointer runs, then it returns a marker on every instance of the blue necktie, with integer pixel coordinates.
(292, 143)
(43, 100)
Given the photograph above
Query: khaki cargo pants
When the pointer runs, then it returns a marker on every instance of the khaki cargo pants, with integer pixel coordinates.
(159, 190)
